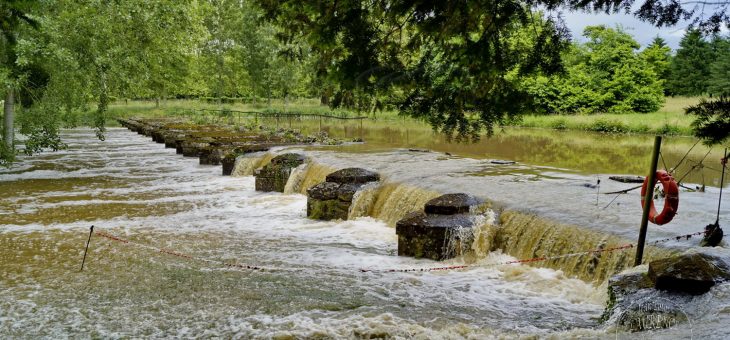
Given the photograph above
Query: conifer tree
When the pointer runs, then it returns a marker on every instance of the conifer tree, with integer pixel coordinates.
(690, 68)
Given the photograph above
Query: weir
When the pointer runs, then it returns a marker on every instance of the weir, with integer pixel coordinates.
(510, 231)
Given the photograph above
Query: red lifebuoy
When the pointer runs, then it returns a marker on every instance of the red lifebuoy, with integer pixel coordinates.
(671, 198)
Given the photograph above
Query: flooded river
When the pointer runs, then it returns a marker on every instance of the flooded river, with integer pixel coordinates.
(312, 287)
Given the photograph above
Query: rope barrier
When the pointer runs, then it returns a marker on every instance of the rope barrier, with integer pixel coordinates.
(183, 255)
(392, 270)
(677, 238)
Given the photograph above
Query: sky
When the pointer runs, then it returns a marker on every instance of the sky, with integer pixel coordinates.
(643, 32)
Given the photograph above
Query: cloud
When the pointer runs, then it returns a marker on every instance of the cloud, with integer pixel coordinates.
(643, 32)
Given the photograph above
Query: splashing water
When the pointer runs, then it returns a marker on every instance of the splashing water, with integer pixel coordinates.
(136, 189)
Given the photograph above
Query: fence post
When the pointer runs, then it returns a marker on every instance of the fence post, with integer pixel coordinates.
(648, 197)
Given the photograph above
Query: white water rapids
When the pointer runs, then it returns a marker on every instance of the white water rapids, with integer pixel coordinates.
(136, 189)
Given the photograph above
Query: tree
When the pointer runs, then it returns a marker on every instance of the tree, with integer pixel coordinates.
(713, 120)
(223, 20)
(719, 81)
(449, 59)
(606, 74)
(102, 48)
(15, 19)
(690, 67)
(658, 56)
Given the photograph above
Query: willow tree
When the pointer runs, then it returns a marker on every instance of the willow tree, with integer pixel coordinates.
(15, 21)
(107, 48)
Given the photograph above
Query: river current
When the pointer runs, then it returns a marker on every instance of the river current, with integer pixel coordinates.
(313, 286)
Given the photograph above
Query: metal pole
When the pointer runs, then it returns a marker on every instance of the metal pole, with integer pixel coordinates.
(722, 180)
(649, 196)
(91, 231)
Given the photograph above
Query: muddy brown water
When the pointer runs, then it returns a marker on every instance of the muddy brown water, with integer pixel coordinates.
(137, 190)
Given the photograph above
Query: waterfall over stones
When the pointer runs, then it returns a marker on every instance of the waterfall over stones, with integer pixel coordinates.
(331, 199)
(445, 229)
(275, 175)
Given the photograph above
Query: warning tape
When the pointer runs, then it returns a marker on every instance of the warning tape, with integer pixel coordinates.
(392, 270)
(536, 259)
(186, 256)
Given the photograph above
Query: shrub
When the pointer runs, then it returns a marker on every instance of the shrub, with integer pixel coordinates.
(559, 124)
(668, 129)
(607, 126)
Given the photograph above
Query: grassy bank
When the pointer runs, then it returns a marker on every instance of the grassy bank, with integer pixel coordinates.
(170, 107)
(670, 119)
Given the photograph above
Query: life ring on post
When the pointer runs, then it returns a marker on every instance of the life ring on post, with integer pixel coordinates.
(671, 198)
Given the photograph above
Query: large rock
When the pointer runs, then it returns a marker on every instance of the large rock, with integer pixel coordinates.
(437, 237)
(353, 175)
(172, 137)
(228, 163)
(688, 273)
(331, 200)
(273, 176)
(622, 286)
(450, 204)
(323, 202)
(634, 305)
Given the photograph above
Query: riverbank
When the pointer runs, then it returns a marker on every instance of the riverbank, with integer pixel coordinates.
(669, 120)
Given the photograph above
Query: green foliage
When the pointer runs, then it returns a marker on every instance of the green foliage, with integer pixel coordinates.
(40, 126)
(444, 62)
(658, 56)
(668, 129)
(713, 120)
(719, 81)
(608, 126)
(690, 67)
(606, 74)
(7, 155)
(560, 124)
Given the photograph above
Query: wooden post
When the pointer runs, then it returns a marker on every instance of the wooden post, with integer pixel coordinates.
(649, 196)
(722, 181)
(91, 232)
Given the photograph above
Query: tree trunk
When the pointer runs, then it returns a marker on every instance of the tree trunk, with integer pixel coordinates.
(220, 78)
(253, 90)
(268, 97)
(8, 129)
(157, 102)
(374, 104)
(102, 105)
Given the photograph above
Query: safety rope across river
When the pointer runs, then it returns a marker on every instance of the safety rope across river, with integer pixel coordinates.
(391, 270)
(183, 255)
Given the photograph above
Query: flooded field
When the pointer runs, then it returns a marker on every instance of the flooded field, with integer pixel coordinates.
(313, 286)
